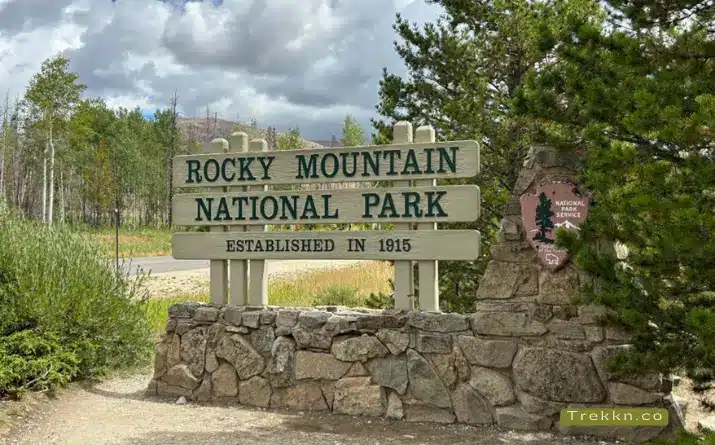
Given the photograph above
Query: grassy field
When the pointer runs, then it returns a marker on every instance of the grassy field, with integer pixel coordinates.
(350, 286)
(133, 243)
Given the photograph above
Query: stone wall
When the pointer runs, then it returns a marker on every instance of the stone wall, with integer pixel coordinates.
(512, 364)
(522, 356)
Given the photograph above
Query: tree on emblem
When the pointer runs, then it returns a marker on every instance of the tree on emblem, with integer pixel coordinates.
(543, 219)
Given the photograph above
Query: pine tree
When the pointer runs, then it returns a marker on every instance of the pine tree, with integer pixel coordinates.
(543, 219)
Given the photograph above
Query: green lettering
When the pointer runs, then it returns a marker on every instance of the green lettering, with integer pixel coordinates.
(391, 154)
(222, 212)
(412, 201)
(346, 172)
(374, 163)
(202, 207)
(309, 169)
(433, 203)
(239, 202)
(289, 207)
(194, 167)
(254, 208)
(412, 163)
(369, 200)
(266, 165)
(326, 208)
(336, 165)
(246, 174)
(429, 168)
(388, 205)
(309, 207)
(444, 156)
(264, 213)
(217, 172)
(223, 169)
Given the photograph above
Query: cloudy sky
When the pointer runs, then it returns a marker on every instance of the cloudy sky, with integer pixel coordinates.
(287, 63)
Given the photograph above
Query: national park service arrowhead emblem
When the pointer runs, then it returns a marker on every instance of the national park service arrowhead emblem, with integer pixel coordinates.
(554, 206)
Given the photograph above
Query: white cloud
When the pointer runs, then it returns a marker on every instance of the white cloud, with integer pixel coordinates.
(283, 62)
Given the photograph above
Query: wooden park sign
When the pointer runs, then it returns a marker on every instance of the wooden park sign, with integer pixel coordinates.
(554, 206)
(234, 201)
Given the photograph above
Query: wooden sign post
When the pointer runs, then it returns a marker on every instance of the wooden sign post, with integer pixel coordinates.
(238, 208)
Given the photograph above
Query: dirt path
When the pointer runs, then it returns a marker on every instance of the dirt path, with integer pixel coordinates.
(116, 412)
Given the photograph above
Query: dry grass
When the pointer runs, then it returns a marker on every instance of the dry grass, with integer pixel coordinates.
(137, 243)
(347, 286)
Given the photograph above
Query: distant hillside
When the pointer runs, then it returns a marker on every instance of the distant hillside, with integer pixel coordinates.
(202, 130)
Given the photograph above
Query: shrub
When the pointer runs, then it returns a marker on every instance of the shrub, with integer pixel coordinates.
(63, 303)
(337, 295)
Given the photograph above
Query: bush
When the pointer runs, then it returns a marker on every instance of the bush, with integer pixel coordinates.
(63, 307)
(337, 295)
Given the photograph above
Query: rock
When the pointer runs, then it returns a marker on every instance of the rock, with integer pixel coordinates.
(160, 359)
(206, 314)
(328, 392)
(255, 391)
(251, 319)
(211, 361)
(304, 395)
(623, 394)
(173, 356)
(166, 390)
(618, 335)
(558, 287)
(536, 405)
(431, 343)
(357, 370)
(519, 252)
(426, 413)
(354, 396)
(281, 368)
(262, 339)
(183, 326)
(425, 383)
(513, 324)
(183, 310)
(353, 349)
(557, 375)
(237, 329)
(224, 381)
(193, 350)
(315, 365)
(504, 280)
(171, 326)
(542, 313)
(624, 434)
(268, 317)
(340, 324)
(395, 341)
(394, 407)
(444, 365)
(313, 319)
(494, 386)
(469, 406)
(180, 401)
(238, 351)
(566, 329)
(390, 372)
(287, 319)
(593, 333)
(491, 353)
(438, 322)
(309, 338)
(461, 364)
(181, 376)
(515, 418)
(376, 322)
(151, 389)
(203, 393)
(233, 315)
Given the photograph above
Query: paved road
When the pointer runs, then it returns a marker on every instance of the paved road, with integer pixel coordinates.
(166, 264)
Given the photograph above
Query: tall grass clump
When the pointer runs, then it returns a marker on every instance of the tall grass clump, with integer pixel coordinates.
(65, 312)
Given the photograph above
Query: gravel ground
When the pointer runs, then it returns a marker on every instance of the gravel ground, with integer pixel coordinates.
(116, 412)
(191, 282)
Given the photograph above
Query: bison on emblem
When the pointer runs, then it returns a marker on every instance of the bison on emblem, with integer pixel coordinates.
(554, 206)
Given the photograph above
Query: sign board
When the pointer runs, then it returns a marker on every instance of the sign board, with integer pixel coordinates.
(343, 245)
(404, 204)
(554, 206)
(459, 159)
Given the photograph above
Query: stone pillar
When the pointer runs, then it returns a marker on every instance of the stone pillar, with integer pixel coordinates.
(561, 347)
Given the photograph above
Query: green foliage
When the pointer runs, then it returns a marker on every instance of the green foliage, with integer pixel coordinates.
(337, 295)
(352, 133)
(380, 300)
(633, 89)
(63, 304)
(464, 71)
(291, 140)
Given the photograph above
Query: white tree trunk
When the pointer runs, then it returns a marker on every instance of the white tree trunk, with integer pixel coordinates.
(62, 197)
(44, 185)
(51, 199)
